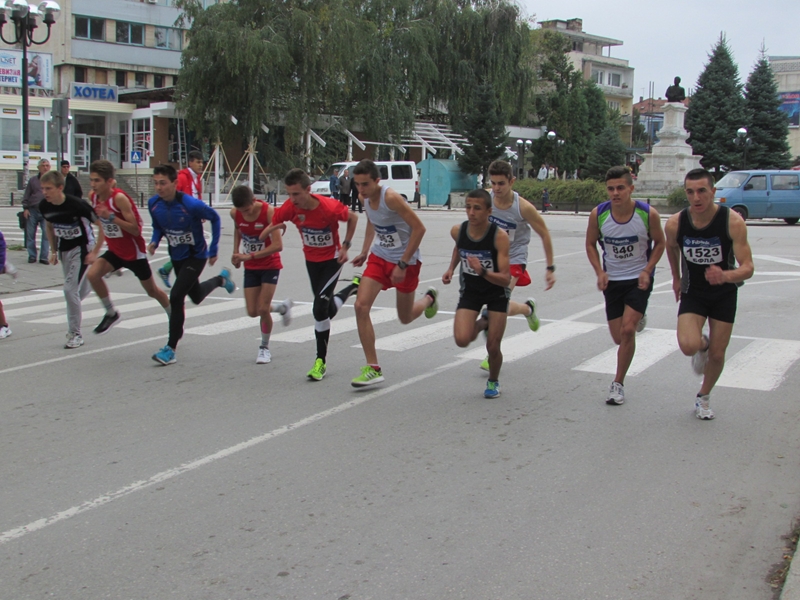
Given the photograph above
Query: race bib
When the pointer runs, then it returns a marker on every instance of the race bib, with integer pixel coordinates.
(509, 227)
(387, 237)
(251, 244)
(182, 238)
(317, 238)
(702, 251)
(66, 232)
(110, 230)
(485, 256)
(622, 248)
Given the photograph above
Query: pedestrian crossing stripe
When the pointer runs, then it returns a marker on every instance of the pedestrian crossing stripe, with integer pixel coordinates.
(761, 365)
(652, 345)
(339, 325)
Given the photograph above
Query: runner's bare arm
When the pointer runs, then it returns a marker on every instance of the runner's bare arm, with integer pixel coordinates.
(369, 236)
(674, 253)
(398, 204)
(448, 275)
(535, 220)
(742, 252)
(128, 222)
(659, 244)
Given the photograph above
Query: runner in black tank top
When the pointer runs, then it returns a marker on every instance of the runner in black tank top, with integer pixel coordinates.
(482, 249)
(704, 243)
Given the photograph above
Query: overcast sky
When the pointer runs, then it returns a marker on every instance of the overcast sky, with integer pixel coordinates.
(665, 38)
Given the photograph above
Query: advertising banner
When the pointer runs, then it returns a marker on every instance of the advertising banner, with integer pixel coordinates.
(40, 69)
(790, 104)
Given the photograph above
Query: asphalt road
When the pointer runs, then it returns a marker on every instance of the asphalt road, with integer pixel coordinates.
(219, 478)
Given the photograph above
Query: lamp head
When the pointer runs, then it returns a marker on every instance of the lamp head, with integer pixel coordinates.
(741, 132)
(551, 135)
(18, 9)
(51, 10)
(519, 142)
(528, 144)
(34, 14)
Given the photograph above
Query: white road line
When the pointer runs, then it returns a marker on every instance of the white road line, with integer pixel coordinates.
(24, 299)
(337, 326)
(761, 365)
(777, 259)
(418, 336)
(40, 308)
(527, 343)
(652, 345)
(244, 323)
(18, 532)
(99, 312)
(195, 311)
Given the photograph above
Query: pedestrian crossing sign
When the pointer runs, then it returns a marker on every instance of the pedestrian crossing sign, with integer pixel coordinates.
(136, 157)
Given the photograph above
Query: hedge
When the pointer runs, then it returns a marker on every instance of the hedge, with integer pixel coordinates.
(563, 193)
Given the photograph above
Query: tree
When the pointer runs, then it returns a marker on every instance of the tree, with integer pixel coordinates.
(768, 126)
(639, 136)
(717, 111)
(484, 128)
(607, 151)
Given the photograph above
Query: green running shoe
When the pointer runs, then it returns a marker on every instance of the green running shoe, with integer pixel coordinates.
(318, 372)
(533, 320)
(431, 311)
(485, 364)
(369, 376)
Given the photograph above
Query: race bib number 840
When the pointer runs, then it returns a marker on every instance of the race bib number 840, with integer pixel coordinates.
(701, 251)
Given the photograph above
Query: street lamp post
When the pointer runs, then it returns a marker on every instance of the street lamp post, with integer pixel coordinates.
(557, 144)
(745, 142)
(26, 18)
(521, 148)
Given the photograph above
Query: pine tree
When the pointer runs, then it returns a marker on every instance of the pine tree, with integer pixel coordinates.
(485, 130)
(607, 151)
(768, 126)
(717, 111)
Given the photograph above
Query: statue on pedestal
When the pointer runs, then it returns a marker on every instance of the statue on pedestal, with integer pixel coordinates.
(675, 93)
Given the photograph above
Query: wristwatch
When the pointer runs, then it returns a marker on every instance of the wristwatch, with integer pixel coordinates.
(111, 217)
(346, 244)
(402, 264)
(551, 268)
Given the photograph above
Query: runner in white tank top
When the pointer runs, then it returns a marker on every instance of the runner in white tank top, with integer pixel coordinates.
(392, 239)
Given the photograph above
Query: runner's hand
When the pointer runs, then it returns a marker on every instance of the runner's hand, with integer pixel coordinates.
(211, 261)
(359, 260)
(151, 248)
(644, 280)
(447, 277)
(676, 288)
(602, 281)
(550, 279)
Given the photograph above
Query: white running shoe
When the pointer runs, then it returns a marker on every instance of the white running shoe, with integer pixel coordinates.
(74, 340)
(286, 317)
(700, 358)
(12, 270)
(702, 410)
(263, 356)
(5, 331)
(641, 324)
(616, 394)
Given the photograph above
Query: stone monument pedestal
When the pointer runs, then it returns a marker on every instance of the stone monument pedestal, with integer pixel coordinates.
(664, 169)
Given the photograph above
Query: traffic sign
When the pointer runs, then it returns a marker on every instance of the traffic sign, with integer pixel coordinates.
(136, 157)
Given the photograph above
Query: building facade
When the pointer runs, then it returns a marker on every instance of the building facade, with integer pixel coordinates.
(787, 76)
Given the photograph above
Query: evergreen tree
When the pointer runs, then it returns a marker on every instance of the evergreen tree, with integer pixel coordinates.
(607, 151)
(597, 106)
(639, 137)
(484, 128)
(768, 126)
(717, 111)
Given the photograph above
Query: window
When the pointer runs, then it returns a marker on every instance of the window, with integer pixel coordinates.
(613, 105)
(785, 182)
(52, 137)
(130, 33)
(577, 46)
(101, 76)
(169, 38)
(598, 77)
(10, 134)
(174, 80)
(141, 134)
(158, 81)
(140, 79)
(123, 140)
(402, 172)
(615, 79)
(90, 29)
(80, 74)
(36, 136)
(757, 183)
(122, 79)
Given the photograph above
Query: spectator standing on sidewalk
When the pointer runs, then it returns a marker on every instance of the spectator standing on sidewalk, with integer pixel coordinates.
(33, 218)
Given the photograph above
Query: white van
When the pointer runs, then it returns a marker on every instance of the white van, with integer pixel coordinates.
(399, 175)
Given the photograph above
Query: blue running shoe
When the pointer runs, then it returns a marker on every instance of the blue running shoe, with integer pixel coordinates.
(165, 356)
(227, 282)
(492, 389)
(164, 274)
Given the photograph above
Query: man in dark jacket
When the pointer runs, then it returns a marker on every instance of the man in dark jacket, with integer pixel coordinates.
(72, 186)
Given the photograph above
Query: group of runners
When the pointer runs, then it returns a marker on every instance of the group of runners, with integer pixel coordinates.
(706, 244)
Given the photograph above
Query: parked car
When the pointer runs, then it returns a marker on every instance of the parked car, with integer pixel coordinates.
(762, 194)
(399, 175)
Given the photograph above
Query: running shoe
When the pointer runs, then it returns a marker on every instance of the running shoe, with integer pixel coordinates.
(700, 358)
(318, 371)
(641, 324)
(492, 389)
(702, 410)
(264, 356)
(431, 311)
(485, 364)
(227, 282)
(5, 331)
(356, 280)
(165, 356)
(12, 270)
(616, 394)
(533, 320)
(74, 340)
(164, 274)
(369, 376)
(107, 323)
(286, 317)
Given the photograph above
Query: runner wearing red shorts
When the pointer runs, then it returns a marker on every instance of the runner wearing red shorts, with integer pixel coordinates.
(394, 233)
(121, 229)
(262, 263)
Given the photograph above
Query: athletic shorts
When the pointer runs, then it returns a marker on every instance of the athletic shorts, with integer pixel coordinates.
(495, 301)
(139, 267)
(620, 294)
(720, 307)
(521, 272)
(257, 277)
(380, 270)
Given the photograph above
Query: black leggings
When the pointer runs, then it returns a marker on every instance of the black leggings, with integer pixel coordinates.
(187, 283)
